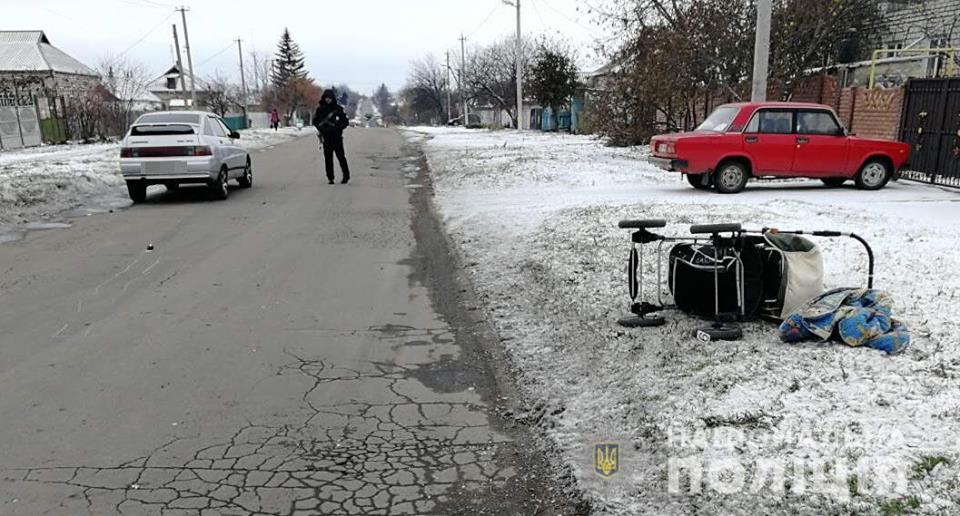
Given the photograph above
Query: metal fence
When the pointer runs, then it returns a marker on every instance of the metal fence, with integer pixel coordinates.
(931, 125)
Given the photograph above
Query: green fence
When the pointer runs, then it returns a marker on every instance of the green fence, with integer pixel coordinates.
(235, 123)
(53, 130)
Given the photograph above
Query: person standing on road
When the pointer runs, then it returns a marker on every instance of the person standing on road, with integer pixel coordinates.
(330, 121)
(274, 119)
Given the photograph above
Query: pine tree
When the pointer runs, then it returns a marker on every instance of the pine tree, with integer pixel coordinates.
(383, 99)
(288, 62)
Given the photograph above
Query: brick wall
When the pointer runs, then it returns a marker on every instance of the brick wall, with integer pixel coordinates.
(876, 112)
(869, 113)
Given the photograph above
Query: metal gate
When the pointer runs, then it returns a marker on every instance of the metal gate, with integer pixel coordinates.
(931, 125)
(19, 125)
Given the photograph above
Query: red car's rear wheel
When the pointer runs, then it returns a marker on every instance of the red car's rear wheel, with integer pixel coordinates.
(696, 181)
(730, 177)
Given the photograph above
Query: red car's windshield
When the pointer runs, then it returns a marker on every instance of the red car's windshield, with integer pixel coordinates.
(719, 120)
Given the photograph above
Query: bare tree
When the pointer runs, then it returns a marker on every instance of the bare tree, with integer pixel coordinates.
(426, 90)
(490, 74)
(221, 95)
(682, 57)
(127, 80)
(257, 71)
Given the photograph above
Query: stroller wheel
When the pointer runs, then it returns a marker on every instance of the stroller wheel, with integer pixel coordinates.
(633, 321)
(722, 332)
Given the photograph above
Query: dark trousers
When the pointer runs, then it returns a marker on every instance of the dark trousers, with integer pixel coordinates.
(333, 146)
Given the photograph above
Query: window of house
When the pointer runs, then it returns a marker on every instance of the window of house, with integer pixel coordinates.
(896, 46)
(171, 83)
(936, 67)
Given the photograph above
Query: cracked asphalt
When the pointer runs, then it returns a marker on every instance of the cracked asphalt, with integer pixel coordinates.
(300, 348)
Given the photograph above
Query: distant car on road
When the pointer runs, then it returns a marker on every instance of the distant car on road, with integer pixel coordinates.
(776, 140)
(181, 147)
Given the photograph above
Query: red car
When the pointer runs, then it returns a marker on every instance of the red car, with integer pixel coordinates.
(776, 139)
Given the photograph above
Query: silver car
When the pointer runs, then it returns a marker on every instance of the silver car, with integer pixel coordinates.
(181, 147)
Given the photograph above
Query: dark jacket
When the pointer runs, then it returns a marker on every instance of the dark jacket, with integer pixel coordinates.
(330, 119)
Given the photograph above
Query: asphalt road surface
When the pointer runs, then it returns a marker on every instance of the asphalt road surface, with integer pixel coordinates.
(300, 348)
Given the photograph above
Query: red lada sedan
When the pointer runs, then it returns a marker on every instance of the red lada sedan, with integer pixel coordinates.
(776, 140)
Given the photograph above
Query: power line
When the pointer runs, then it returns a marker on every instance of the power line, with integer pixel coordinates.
(605, 14)
(485, 20)
(561, 13)
(537, 10)
(148, 33)
(143, 3)
(224, 49)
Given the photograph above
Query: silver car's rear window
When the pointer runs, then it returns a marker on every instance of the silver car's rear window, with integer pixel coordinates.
(159, 130)
(169, 118)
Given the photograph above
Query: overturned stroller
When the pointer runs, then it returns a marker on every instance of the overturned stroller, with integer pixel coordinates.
(726, 273)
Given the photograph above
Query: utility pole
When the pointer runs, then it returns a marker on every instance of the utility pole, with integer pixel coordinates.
(183, 83)
(516, 3)
(761, 51)
(243, 84)
(186, 43)
(449, 93)
(463, 65)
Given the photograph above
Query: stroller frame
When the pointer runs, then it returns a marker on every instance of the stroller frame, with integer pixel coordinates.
(724, 326)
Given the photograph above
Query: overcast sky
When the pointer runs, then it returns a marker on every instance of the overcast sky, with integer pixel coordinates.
(360, 42)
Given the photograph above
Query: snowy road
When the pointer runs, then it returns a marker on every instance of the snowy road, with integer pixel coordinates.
(299, 348)
(855, 431)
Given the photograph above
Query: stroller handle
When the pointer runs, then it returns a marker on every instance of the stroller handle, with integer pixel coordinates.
(858, 238)
(639, 224)
(715, 228)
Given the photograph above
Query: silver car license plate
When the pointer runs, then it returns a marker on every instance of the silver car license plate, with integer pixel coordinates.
(163, 167)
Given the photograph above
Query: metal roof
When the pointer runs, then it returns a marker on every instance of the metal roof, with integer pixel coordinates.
(31, 51)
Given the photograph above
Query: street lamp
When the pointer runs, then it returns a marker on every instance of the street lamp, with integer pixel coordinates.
(516, 3)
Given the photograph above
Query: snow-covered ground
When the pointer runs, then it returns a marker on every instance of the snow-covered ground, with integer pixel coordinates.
(770, 427)
(41, 182)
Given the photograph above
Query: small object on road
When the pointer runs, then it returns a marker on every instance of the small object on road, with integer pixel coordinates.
(149, 247)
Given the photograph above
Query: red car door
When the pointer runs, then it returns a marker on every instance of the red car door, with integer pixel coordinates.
(822, 146)
(770, 142)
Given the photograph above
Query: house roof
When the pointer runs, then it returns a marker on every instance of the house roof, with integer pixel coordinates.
(31, 51)
(160, 83)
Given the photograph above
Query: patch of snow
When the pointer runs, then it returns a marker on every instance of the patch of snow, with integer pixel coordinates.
(42, 182)
(536, 215)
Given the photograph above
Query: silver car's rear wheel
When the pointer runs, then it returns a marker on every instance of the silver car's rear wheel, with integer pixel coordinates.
(246, 180)
(218, 188)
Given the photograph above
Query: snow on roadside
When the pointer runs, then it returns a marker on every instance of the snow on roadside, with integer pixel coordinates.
(40, 182)
(535, 215)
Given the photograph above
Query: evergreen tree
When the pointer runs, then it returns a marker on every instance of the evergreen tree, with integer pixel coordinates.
(383, 99)
(553, 77)
(288, 63)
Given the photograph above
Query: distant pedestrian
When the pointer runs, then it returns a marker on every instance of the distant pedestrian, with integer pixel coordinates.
(274, 119)
(330, 121)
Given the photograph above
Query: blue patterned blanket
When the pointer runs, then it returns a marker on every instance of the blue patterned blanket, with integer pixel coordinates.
(856, 317)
